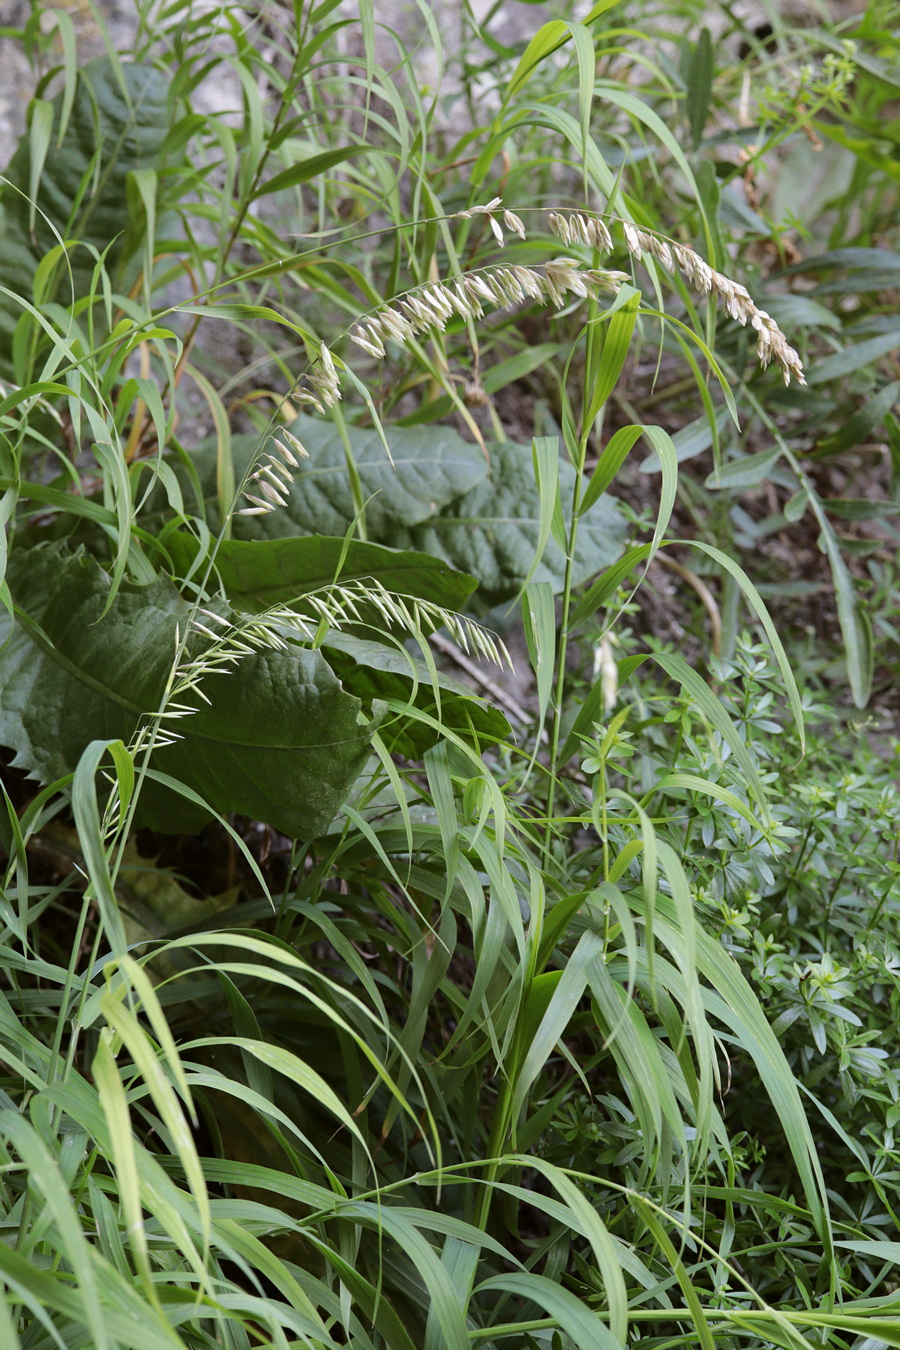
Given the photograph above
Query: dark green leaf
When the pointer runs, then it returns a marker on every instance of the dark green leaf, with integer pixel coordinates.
(859, 508)
(493, 531)
(699, 85)
(280, 739)
(858, 427)
(260, 573)
(372, 670)
(307, 169)
(78, 202)
(430, 469)
(853, 358)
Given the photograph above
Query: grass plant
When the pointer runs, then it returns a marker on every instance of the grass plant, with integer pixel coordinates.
(332, 1012)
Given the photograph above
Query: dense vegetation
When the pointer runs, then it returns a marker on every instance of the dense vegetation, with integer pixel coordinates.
(351, 992)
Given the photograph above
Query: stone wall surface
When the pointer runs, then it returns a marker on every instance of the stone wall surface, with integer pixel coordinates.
(513, 21)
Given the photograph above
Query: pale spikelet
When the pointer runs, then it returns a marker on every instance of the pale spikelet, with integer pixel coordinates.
(634, 239)
(291, 449)
(324, 378)
(581, 229)
(606, 667)
(431, 305)
(772, 345)
(600, 236)
(564, 274)
(512, 222)
(487, 210)
(691, 265)
(736, 301)
(476, 285)
(529, 282)
(369, 342)
(480, 210)
(560, 226)
(661, 251)
(268, 487)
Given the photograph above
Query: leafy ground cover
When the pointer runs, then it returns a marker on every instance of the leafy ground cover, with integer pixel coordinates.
(350, 995)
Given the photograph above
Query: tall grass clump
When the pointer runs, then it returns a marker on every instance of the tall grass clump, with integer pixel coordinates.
(341, 1005)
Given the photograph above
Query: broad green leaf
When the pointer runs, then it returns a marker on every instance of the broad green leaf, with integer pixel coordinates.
(704, 1336)
(641, 1065)
(114, 1103)
(693, 439)
(39, 133)
(257, 574)
(738, 1007)
(494, 530)
(87, 813)
(539, 619)
(608, 583)
(754, 599)
(430, 469)
(79, 198)
(856, 628)
(548, 39)
(545, 462)
(372, 670)
(640, 110)
(609, 347)
(690, 782)
(661, 442)
(294, 1069)
(280, 739)
(612, 458)
(714, 711)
